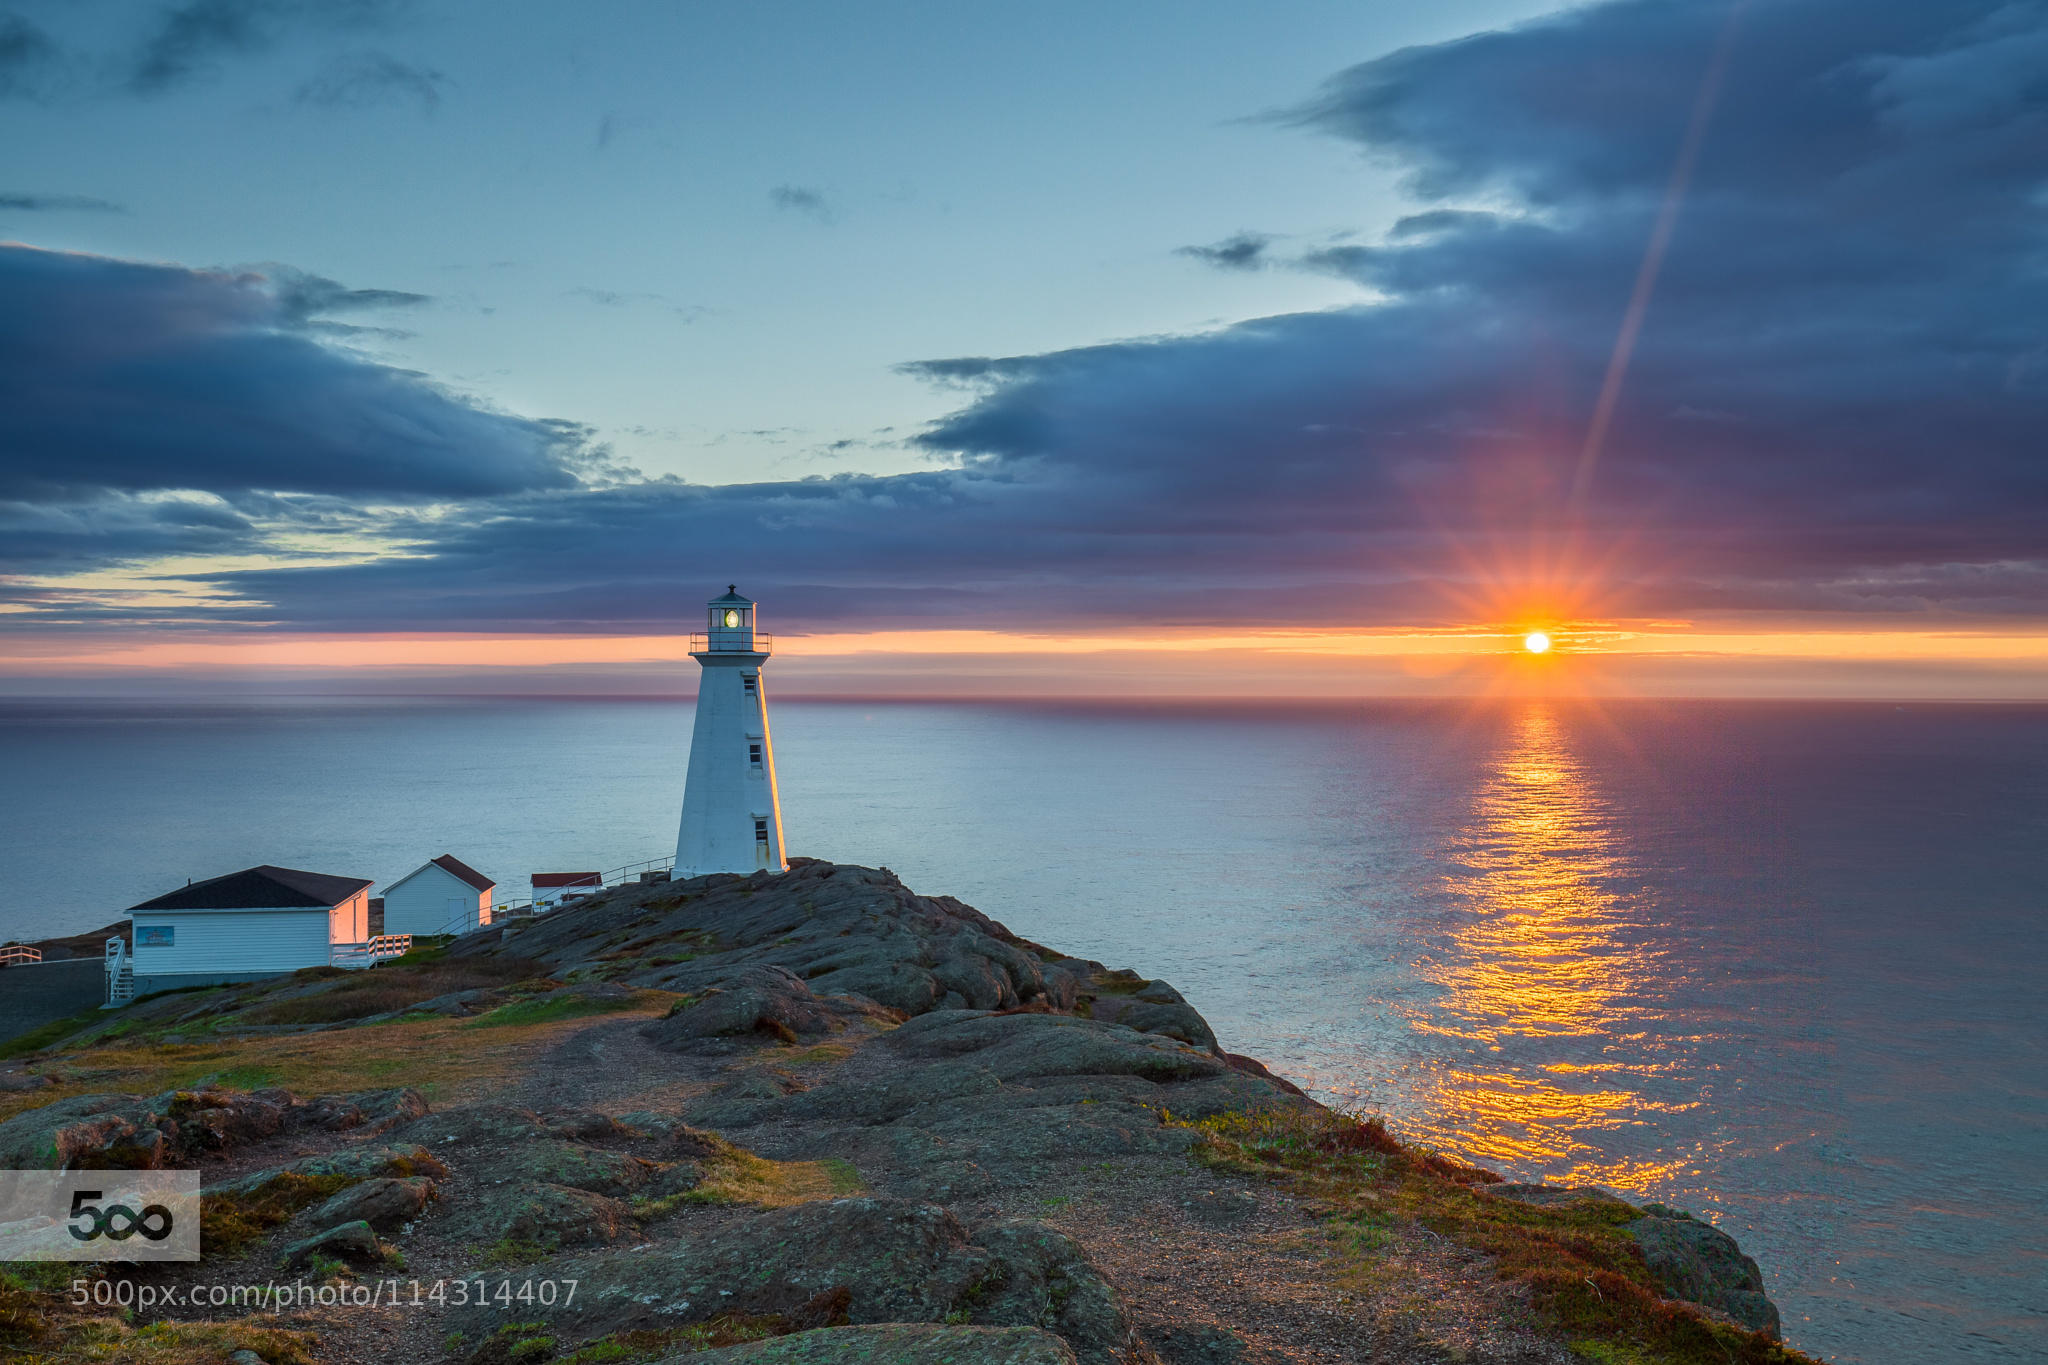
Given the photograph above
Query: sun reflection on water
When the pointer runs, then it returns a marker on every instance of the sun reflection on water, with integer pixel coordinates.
(1542, 985)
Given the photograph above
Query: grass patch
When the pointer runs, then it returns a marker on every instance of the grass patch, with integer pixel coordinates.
(435, 1055)
(52, 1033)
(549, 1010)
(230, 1223)
(245, 1078)
(418, 976)
(38, 1323)
(733, 1175)
(1584, 1274)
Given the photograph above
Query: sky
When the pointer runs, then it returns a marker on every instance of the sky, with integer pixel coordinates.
(1179, 349)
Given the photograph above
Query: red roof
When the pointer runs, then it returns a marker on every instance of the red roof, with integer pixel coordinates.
(448, 862)
(568, 879)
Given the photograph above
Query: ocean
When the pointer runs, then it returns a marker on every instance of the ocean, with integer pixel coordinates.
(1780, 964)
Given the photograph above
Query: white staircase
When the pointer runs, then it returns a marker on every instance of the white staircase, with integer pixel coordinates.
(120, 974)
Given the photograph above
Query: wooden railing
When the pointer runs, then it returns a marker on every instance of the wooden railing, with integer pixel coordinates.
(368, 954)
(19, 952)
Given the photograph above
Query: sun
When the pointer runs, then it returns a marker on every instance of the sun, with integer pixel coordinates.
(1536, 642)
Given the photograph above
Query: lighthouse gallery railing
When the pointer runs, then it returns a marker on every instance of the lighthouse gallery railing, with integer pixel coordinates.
(721, 644)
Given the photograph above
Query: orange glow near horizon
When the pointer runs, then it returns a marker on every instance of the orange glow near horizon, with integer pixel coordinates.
(1417, 655)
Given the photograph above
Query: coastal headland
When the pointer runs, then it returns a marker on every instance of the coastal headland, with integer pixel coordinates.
(807, 1117)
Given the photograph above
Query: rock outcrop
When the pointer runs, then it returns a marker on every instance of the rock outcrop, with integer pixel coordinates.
(881, 1260)
(1701, 1264)
(133, 1132)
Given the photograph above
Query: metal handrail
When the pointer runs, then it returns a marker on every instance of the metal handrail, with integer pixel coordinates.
(19, 952)
(707, 644)
(604, 879)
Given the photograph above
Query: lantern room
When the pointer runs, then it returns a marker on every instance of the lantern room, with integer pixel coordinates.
(730, 627)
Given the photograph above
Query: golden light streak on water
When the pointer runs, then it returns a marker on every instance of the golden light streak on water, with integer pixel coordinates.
(1540, 959)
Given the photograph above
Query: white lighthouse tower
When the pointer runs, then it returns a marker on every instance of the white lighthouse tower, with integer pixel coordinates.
(732, 817)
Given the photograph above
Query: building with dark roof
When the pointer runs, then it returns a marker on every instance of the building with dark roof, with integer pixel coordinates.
(443, 895)
(261, 921)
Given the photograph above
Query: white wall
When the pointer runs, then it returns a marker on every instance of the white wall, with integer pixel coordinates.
(281, 940)
(435, 901)
(724, 792)
(349, 922)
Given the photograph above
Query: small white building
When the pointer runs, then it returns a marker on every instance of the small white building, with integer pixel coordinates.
(442, 896)
(554, 889)
(263, 921)
(732, 813)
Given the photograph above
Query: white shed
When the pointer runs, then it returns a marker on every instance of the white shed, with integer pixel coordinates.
(263, 921)
(442, 896)
(554, 889)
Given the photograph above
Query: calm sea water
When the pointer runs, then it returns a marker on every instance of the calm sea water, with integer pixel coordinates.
(1783, 965)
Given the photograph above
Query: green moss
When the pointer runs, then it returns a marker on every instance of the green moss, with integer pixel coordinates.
(507, 1253)
(1120, 982)
(645, 1345)
(1611, 1353)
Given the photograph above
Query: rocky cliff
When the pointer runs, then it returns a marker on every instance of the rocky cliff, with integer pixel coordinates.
(818, 1117)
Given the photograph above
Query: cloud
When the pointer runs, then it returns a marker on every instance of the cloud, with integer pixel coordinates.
(797, 199)
(188, 40)
(56, 203)
(1853, 292)
(119, 377)
(371, 78)
(191, 34)
(1241, 251)
(28, 58)
(612, 298)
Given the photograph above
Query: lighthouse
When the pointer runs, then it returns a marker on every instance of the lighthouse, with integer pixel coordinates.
(732, 817)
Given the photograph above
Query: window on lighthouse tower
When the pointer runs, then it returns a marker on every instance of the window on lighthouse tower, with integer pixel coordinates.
(754, 754)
